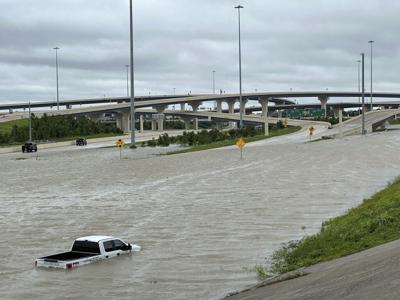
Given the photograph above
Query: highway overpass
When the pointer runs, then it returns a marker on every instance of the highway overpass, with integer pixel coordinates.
(279, 98)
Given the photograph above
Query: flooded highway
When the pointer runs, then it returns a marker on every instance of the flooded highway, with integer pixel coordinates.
(204, 219)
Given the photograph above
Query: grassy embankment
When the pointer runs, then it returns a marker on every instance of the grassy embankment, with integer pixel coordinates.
(230, 142)
(394, 122)
(6, 128)
(376, 221)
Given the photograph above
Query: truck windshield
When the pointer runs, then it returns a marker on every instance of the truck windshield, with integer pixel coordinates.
(86, 246)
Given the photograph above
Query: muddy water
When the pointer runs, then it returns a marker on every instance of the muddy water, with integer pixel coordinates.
(204, 219)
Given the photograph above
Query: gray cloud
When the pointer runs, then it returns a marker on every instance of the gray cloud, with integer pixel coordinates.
(304, 45)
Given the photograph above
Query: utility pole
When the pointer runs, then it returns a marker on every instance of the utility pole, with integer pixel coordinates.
(213, 81)
(371, 42)
(359, 87)
(362, 94)
(58, 96)
(30, 123)
(127, 80)
(239, 7)
(133, 121)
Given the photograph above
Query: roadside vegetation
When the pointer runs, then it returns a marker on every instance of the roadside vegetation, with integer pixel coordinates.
(54, 128)
(394, 122)
(376, 221)
(214, 138)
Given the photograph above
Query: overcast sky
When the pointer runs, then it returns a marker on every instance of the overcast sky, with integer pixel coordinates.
(303, 45)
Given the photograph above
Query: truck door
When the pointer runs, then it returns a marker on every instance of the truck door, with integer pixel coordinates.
(113, 248)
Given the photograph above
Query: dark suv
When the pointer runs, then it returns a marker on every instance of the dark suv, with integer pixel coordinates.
(81, 142)
(29, 147)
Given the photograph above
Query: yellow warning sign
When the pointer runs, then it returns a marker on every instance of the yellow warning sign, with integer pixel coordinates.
(285, 123)
(311, 130)
(120, 143)
(241, 143)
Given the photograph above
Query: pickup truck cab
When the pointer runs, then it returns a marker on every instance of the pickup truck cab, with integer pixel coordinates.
(87, 250)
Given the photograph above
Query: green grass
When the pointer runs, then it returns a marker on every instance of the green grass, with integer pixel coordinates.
(6, 127)
(394, 121)
(231, 142)
(376, 221)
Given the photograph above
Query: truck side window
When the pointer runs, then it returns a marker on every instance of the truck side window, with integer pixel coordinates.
(109, 246)
(119, 245)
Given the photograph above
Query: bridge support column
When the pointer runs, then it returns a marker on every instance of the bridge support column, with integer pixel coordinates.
(219, 106)
(195, 106)
(141, 122)
(187, 122)
(10, 111)
(153, 125)
(126, 124)
(340, 116)
(264, 106)
(160, 124)
(231, 106)
(243, 109)
(68, 106)
(123, 121)
(182, 106)
(324, 101)
(231, 109)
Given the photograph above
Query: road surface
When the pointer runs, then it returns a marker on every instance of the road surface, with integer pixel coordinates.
(368, 275)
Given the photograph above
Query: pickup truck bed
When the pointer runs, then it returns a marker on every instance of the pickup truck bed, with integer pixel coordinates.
(66, 256)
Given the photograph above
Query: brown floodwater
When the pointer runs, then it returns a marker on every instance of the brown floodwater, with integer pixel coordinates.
(204, 220)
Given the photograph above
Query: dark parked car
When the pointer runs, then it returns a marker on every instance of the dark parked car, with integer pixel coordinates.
(81, 142)
(29, 147)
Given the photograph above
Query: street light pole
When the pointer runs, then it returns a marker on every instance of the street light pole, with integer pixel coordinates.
(240, 70)
(133, 121)
(359, 100)
(58, 97)
(30, 122)
(371, 42)
(362, 94)
(213, 82)
(127, 80)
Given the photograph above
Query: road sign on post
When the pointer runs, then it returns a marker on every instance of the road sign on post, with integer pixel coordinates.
(285, 123)
(120, 144)
(241, 143)
(311, 130)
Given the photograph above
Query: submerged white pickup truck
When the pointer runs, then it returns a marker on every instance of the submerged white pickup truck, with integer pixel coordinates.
(87, 250)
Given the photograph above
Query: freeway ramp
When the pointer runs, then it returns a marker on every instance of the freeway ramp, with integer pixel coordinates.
(373, 120)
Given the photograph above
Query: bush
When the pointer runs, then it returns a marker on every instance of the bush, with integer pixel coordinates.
(53, 127)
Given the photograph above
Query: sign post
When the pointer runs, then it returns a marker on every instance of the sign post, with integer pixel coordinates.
(241, 143)
(120, 144)
(311, 130)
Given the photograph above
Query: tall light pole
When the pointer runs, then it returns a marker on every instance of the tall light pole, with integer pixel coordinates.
(213, 82)
(30, 122)
(174, 91)
(127, 80)
(362, 94)
(359, 87)
(133, 121)
(58, 95)
(371, 42)
(240, 70)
